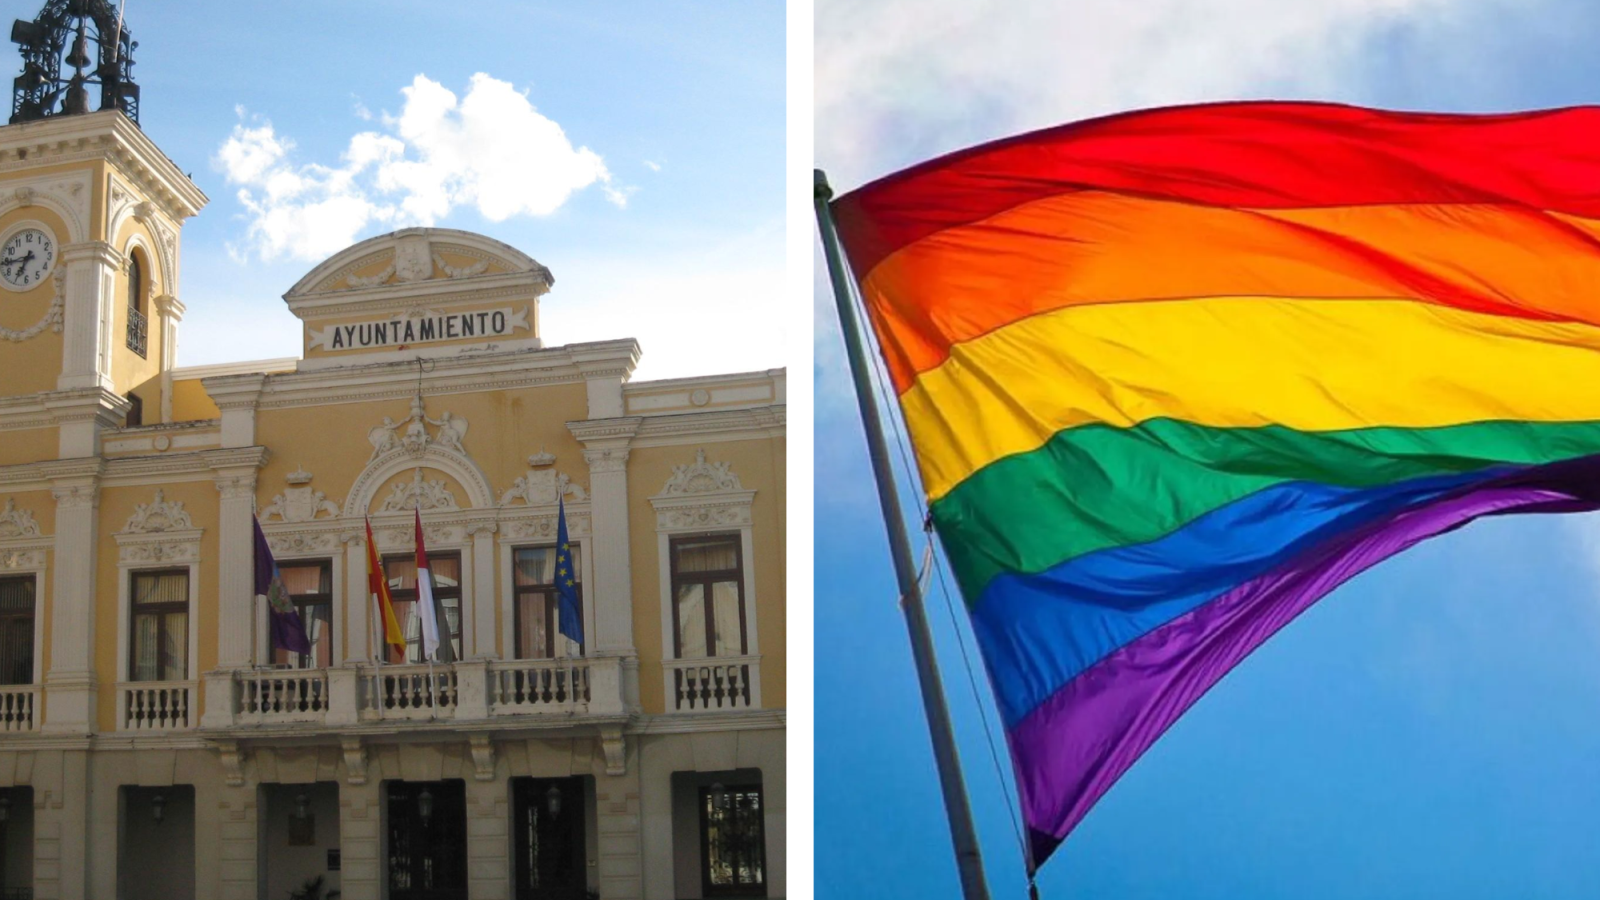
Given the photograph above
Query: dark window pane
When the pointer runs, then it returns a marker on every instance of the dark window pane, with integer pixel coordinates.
(16, 630)
(733, 841)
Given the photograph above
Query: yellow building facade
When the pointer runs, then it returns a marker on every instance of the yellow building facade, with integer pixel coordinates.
(153, 743)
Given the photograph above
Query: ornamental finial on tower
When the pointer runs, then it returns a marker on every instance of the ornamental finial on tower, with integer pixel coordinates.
(71, 45)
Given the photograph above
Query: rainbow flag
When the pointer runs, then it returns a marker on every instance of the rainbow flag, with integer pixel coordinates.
(1172, 376)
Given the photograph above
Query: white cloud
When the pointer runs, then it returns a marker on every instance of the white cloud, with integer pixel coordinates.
(652, 166)
(490, 150)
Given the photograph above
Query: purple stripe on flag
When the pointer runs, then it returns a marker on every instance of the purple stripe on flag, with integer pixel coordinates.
(1071, 748)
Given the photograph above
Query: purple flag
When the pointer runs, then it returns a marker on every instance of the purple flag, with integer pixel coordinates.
(288, 632)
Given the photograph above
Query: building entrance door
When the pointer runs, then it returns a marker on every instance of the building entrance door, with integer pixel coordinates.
(549, 839)
(427, 840)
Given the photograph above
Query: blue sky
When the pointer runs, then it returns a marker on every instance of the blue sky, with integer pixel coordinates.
(653, 136)
(1429, 730)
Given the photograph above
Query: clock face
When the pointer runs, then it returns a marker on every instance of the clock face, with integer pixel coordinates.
(27, 259)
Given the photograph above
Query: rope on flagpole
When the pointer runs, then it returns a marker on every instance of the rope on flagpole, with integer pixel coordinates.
(902, 445)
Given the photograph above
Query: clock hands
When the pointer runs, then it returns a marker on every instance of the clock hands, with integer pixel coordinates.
(24, 260)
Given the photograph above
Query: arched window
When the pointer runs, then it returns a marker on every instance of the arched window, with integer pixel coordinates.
(137, 330)
(135, 283)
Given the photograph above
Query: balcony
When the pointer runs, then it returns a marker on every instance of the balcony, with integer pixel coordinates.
(716, 684)
(18, 709)
(155, 705)
(476, 690)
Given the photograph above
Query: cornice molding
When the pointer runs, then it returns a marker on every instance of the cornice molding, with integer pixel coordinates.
(103, 135)
(397, 379)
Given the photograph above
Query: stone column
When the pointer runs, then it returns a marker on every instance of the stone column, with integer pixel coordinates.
(484, 643)
(85, 281)
(360, 837)
(171, 313)
(488, 846)
(613, 572)
(236, 567)
(621, 854)
(63, 860)
(236, 613)
(358, 612)
(226, 823)
(70, 683)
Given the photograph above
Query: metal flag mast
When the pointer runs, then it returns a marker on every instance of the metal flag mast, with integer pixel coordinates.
(963, 835)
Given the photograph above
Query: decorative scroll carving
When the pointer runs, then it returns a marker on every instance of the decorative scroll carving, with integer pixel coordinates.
(615, 460)
(75, 495)
(355, 760)
(16, 522)
(482, 757)
(419, 494)
(433, 534)
(615, 747)
(236, 487)
(544, 527)
(477, 268)
(52, 315)
(371, 280)
(303, 543)
(701, 478)
(543, 488)
(159, 515)
(174, 552)
(21, 559)
(703, 517)
(232, 758)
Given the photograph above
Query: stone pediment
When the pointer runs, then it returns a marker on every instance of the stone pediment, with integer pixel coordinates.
(420, 292)
(421, 260)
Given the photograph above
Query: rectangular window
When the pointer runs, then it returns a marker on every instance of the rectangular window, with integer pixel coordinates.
(536, 606)
(402, 574)
(708, 591)
(733, 850)
(310, 587)
(160, 604)
(16, 630)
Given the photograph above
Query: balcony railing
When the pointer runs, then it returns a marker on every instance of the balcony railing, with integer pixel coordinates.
(465, 691)
(409, 692)
(17, 708)
(712, 684)
(282, 695)
(524, 686)
(155, 705)
(138, 326)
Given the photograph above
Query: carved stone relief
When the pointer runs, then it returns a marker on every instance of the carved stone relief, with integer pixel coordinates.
(701, 478)
(543, 488)
(16, 522)
(387, 437)
(419, 494)
(158, 515)
(299, 504)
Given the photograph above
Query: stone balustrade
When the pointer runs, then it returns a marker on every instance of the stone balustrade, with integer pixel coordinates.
(713, 684)
(18, 705)
(363, 693)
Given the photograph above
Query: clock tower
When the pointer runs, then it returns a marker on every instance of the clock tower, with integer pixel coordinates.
(91, 213)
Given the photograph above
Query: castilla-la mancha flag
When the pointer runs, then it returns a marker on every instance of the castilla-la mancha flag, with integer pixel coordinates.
(432, 615)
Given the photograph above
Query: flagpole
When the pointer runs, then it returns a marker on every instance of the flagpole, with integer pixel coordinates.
(969, 861)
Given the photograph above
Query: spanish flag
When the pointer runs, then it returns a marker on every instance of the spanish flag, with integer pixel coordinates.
(1172, 376)
(378, 587)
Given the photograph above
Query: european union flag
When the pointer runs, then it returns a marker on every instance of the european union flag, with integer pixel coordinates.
(571, 612)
